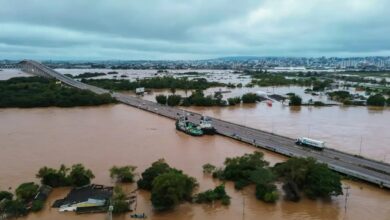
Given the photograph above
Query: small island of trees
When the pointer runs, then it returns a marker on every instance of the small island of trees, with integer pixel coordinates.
(316, 180)
(28, 92)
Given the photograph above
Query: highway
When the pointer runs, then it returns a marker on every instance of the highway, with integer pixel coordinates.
(372, 171)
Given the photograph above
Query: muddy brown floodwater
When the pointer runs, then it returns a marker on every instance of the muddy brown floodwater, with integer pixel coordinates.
(357, 130)
(119, 135)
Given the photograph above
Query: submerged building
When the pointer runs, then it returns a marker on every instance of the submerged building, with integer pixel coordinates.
(91, 198)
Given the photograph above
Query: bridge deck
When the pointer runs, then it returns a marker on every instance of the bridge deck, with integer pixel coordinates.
(362, 168)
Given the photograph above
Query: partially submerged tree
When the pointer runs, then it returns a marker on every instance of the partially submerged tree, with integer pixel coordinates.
(37, 205)
(123, 174)
(250, 169)
(119, 201)
(15, 208)
(315, 179)
(159, 167)
(174, 100)
(208, 168)
(6, 195)
(170, 189)
(250, 98)
(376, 100)
(295, 100)
(53, 177)
(26, 191)
(161, 99)
(80, 176)
(267, 192)
(240, 169)
(218, 193)
(77, 175)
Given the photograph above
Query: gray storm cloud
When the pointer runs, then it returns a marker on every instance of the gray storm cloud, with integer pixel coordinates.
(192, 29)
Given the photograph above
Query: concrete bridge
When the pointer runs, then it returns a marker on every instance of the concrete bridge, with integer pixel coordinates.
(372, 171)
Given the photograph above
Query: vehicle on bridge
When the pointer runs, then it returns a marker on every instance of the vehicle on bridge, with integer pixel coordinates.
(206, 125)
(182, 124)
(140, 91)
(315, 144)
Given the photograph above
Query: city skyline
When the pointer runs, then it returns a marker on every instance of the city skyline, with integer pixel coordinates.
(194, 30)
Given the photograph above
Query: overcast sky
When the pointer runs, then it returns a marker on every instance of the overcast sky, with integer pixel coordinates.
(192, 29)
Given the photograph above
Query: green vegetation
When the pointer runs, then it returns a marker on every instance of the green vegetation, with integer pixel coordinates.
(318, 103)
(26, 191)
(250, 169)
(89, 75)
(170, 189)
(165, 82)
(209, 196)
(261, 78)
(240, 169)
(37, 205)
(198, 98)
(157, 168)
(169, 186)
(24, 202)
(119, 201)
(376, 100)
(53, 177)
(346, 98)
(14, 208)
(28, 92)
(173, 100)
(270, 79)
(5, 195)
(78, 176)
(161, 99)
(123, 174)
(321, 85)
(295, 100)
(208, 168)
(315, 179)
(340, 96)
(250, 98)
(267, 192)
(234, 100)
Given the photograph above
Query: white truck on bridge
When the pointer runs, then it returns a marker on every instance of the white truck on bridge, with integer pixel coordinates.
(140, 90)
(319, 145)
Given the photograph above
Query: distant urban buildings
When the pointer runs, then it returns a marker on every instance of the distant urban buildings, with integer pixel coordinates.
(236, 63)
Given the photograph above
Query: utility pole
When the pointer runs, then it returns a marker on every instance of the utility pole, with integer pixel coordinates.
(346, 199)
(109, 214)
(243, 206)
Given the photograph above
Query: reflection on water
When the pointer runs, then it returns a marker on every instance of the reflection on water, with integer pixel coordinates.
(118, 135)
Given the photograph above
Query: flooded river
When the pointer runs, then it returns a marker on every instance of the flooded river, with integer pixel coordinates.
(358, 130)
(100, 137)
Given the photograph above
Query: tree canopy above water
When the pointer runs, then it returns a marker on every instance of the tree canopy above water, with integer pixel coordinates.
(28, 92)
